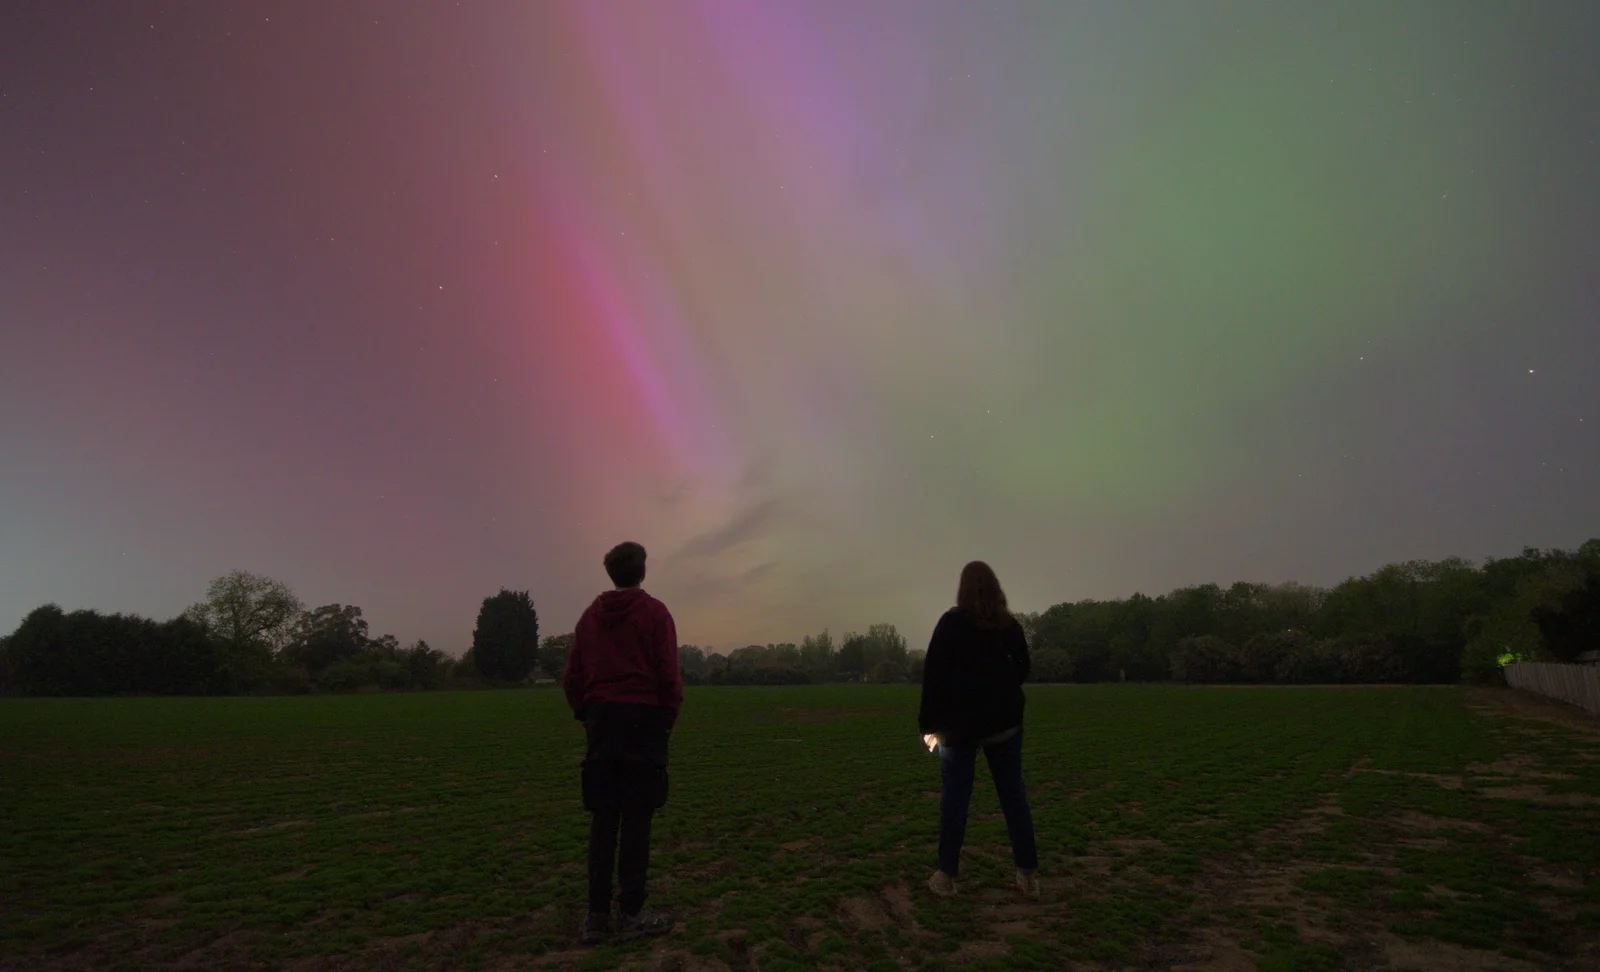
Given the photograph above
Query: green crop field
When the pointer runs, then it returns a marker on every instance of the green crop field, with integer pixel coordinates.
(1199, 828)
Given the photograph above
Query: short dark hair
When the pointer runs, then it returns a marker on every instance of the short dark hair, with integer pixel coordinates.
(625, 564)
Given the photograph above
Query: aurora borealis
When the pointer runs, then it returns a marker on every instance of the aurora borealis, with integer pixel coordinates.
(404, 302)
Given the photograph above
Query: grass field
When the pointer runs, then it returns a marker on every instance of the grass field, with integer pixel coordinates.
(1319, 829)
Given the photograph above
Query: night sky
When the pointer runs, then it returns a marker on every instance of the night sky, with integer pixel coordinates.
(401, 303)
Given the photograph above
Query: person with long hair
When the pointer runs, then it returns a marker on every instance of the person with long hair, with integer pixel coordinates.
(972, 699)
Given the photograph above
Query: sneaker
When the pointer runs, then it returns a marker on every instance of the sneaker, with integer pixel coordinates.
(594, 928)
(942, 884)
(646, 922)
(1028, 884)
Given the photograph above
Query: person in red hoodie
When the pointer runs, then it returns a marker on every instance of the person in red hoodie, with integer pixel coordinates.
(623, 684)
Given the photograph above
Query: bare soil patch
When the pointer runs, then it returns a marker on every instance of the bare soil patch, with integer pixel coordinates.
(1527, 705)
(267, 828)
(1533, 793)
(897, 898)
(1430, 956)
(1517, 764)
(864, 912)
(1412, 820)
(1218, 951)
(1447, 780)
(979, 952)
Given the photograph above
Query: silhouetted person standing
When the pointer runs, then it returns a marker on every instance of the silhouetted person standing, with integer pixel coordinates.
(971, 699)
(623, 684)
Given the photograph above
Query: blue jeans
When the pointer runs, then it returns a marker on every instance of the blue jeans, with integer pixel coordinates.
(956, 764)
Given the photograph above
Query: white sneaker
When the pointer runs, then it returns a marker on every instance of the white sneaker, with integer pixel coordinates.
(942, 884)
(1028, 884)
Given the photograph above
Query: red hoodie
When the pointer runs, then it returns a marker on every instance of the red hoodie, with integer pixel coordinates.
(625, 649)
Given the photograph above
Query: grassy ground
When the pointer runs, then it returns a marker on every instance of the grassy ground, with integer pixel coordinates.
(1197, 828)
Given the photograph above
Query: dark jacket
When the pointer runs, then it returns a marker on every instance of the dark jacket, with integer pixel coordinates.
(972, 679)
(625, 651)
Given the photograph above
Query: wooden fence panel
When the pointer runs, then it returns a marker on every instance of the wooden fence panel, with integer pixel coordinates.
(1578, 684)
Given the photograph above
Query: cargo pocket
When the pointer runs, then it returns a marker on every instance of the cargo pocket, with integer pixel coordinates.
(603, 787)
(643, 785)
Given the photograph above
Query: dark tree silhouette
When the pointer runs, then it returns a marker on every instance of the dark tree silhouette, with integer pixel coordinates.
(1573, 627)
(505, 643)
(553, 654)
(89, 653)
(325, 635)
(853, 654)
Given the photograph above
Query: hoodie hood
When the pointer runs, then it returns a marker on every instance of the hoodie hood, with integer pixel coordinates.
(613, 608)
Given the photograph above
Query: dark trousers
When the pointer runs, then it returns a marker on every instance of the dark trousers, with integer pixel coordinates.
(634, 863)
(956, 765)
(624, 783)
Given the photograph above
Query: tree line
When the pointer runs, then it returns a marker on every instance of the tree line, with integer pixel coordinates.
(251, 634)
(880, 654)
(1418, 621)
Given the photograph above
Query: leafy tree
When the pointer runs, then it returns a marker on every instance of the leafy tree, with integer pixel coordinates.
(553, 654)
(384, 664)
(885, 672)
(1312, 662)
(1453, 593)
(915, 660)
(860, 655)
(348, 674)
(186, 660)
(243, 610)
(1029, 622)
(749, 656)
(853, 655)
(1129, 648)
(816, 653)
(1503, 577)
(505, 642)
(1051, 665)
(1371, 658)
(1261, 657)
(786, 655)
(9, 682)
(1571, 625)
(1188, 612)
(691, 661)
(1206, 659)
(1419, 608)
(884, 644)
(88, 653)
(1507, 632)
(40, 654)
(426, 665)
(1089, 631)
(327, 635)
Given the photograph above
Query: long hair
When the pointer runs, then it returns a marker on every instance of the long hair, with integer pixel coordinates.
(980, 595)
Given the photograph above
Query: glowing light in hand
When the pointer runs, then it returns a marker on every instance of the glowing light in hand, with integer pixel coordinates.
(931, 741)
